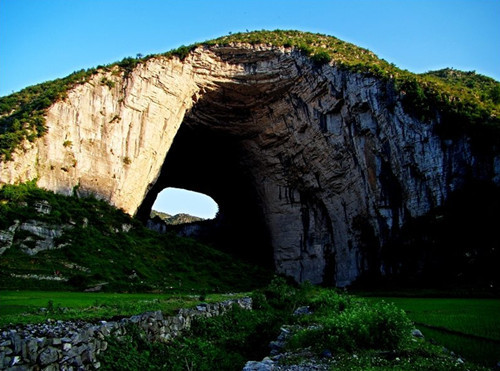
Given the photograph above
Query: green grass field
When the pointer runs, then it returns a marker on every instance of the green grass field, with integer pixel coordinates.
(469, 327)
(25, 306)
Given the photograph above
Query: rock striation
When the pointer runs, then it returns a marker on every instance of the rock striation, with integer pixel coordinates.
(316, 165)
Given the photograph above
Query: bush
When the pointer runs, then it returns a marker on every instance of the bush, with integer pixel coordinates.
(321, 58)
(379, 333)
(328, 302)
(18, 193)
(105, 81)
(127, 65)
(182, 52)
(129, 353)
(305, 49)
(78, 281)
(357, 326)
(280, 295)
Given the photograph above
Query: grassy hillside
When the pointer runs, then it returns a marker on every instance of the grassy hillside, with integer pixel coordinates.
(102, 246)
(463, 100)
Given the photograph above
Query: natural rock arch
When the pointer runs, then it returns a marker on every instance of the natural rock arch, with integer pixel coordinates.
(317, 165)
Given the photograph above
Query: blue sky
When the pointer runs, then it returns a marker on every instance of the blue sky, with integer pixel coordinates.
(45, 39)
(174, 201)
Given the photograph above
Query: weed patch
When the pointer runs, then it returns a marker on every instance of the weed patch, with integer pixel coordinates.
(344, 323)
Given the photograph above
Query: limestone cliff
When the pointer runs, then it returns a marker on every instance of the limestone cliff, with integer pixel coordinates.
(318, 162)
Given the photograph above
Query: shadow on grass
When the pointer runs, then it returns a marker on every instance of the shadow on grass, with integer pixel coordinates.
(473, 348)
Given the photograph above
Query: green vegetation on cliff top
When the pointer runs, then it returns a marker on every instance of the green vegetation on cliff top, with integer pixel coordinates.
(461, 99)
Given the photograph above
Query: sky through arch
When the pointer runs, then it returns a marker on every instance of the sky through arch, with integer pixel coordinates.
(176, 200)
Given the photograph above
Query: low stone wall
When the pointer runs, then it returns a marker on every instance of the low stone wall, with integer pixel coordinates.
(75, 345)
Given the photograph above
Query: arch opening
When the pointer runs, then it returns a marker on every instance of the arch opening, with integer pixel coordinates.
(209, 162)
(247, 142)
(186, 205)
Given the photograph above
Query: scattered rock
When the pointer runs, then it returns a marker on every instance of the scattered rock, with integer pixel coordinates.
(15, 361)
(301, 311)
(56, 341)
(45, 235)
(265, 365)
(7, 237)
(16, 341)
(96, 288)
(417, 333)
(43, 207)
(48, 356)
(326, 353)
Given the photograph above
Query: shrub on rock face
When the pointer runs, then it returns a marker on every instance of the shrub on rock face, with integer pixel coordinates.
(321, 58)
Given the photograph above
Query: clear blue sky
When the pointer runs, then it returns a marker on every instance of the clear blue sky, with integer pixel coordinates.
(44, 39)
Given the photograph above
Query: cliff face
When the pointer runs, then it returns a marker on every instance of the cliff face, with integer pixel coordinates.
(318, 164)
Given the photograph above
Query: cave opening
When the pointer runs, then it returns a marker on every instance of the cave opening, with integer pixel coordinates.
(251, 142)
(209, 162)
(214, 153)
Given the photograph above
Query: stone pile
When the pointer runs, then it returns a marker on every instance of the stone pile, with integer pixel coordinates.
(75, 345)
